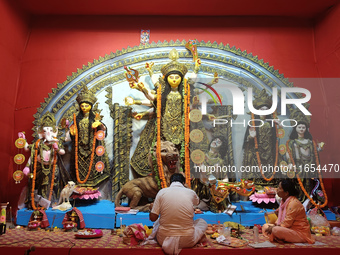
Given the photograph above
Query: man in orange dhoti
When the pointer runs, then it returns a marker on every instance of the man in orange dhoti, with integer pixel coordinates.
(292, 224)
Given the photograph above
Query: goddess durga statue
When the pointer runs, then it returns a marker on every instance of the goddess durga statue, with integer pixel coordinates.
(173, 86)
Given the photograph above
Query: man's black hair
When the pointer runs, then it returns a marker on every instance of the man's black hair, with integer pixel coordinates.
(177, 177)
(288, 185)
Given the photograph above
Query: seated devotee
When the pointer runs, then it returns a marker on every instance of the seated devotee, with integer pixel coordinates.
(176, 226)
(292, 224)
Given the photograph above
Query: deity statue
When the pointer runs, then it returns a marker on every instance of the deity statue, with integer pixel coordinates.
(302, 154)
(172, 111)
(90, 164)
(46, 176)
(261, 143)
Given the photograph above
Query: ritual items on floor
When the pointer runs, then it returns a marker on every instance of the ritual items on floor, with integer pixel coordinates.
(89, 233)
(134, 234)
(37, 220)
(270, 217)
(318, 222)
(73, 220)
(3, 218)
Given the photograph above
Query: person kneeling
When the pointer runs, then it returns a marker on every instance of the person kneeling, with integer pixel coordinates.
(176, 226)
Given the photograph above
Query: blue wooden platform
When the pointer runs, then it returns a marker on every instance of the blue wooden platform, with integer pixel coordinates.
(101, 214)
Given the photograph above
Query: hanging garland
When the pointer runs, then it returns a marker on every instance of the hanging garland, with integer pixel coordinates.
(258, 154)
(76, 152)
(35, 174)
(319, 173)
(158, 150)
(187, 132)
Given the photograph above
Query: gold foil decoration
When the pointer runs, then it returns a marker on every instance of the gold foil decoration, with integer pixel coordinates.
(197, 156)
(195, 115)
(20, 143)
(196, 135)
(19, 159)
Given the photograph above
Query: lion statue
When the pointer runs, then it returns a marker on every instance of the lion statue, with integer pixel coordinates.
(147, 187)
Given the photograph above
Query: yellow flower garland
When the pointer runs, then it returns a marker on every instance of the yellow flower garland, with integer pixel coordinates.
(187, 132)
(319, 173)
(76, 151)
(158, 150)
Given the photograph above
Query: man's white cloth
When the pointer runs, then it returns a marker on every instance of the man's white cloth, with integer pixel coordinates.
(177, 228)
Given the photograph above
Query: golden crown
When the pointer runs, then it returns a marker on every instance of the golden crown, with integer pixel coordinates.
(86, 96)
(174, 65)
(299, 116)
(262, 99)
(47, 120)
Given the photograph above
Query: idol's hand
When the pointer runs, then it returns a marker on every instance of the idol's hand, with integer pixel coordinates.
(22, 135)
(138, 116)
(198, 63)
(320, 146)
(55, 146)
(211, 117)
(140, 86)
(96, 124)
(133, 85)
(149, 66)
(26, 170)
(129, 101)
(73, 129)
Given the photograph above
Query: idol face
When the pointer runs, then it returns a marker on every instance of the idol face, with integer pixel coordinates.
(301, 129)
(174, 80)
(85, 107)
(216, 143)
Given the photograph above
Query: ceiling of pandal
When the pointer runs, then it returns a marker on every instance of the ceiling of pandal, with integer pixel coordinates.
(292, 8)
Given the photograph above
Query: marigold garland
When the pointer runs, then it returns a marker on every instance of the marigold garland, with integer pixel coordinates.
(257, 151)
(158, 150)
(186, 131)
(319, 174)
(76, 151)
(35, 174)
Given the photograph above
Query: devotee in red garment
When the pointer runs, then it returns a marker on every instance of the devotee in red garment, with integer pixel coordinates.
(292, 224)
(176, 226)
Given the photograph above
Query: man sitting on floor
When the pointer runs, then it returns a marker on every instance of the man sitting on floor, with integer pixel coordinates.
(176, 226)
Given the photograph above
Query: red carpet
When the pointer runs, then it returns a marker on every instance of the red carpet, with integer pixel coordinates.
(17, 241)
